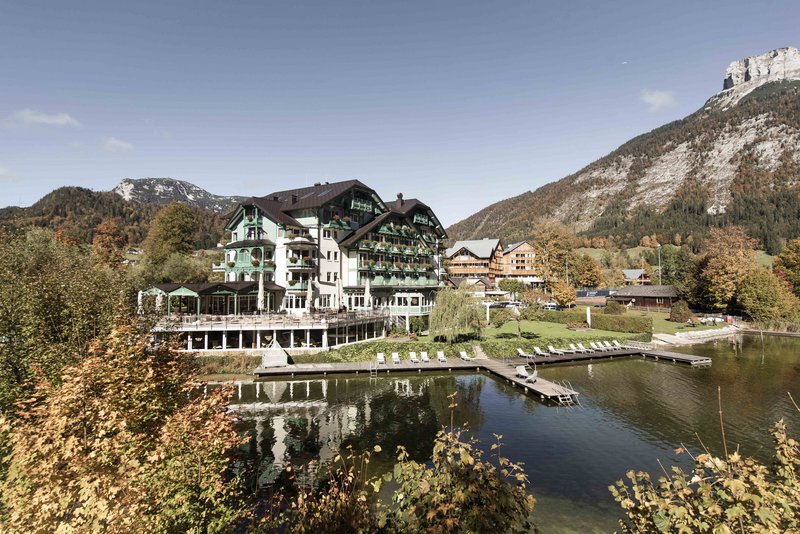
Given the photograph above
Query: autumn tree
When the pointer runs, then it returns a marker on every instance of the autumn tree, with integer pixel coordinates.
(454, 314)
(564, 294)
(108, 243)
(728, 255)
(552, 244)
(124, 444)
(787, 264)
(60, 299)
(584, 271)
(170, 232)
(764, 297)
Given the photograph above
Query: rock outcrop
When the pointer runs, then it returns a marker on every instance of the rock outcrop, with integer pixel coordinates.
(745, 75)
(166, 190)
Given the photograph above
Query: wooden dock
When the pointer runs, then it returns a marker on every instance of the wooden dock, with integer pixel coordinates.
(503, 368)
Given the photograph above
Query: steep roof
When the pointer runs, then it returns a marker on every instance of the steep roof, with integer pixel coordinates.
(406, 205)
(315, 195)
(481, 248)
(512, 246)
(274, 210)
(648, 291)
(353, 238)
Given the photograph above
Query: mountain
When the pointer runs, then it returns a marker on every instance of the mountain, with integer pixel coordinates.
(166, 190)
(735, 160)
(77, 211)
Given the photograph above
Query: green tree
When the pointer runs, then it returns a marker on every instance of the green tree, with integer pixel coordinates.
(564, 294)
(729, 254)
(56, 301)
(764, 297)
(122, 445)
(171, 231)
(455, 314)
(788, 264)
(515, 287)
(680, 312)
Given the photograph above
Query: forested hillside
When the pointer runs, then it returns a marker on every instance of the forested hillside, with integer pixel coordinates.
(77, 211)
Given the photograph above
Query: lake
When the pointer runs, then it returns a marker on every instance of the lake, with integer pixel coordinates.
(633, 412)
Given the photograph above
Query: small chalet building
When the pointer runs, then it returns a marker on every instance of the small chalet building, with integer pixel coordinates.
(306, 254)
(647, 296)
(518, 263)
(475, 259)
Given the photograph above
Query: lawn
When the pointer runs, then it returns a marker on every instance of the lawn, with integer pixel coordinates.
(661, 324)
(548, 330)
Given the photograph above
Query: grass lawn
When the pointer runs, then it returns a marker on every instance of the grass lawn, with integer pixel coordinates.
(661, 324)
(548, 330)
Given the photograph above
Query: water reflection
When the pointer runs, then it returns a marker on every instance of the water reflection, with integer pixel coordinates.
(634, 412)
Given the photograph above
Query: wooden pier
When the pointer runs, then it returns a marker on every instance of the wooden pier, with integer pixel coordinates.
(504, 368)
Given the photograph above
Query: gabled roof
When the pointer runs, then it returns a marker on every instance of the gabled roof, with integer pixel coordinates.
(315, 195)
(273, 210)
(512, 246)
(632, 274)
(481, 248)
(406, 205)
(648, 291)
(353, 238)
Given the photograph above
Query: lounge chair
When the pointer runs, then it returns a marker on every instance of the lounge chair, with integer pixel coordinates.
(440, 356)
(552, 350)
(598, 346)
(424, 356)
(569, 351)
(523, 354)
(595, 347)
(617, 345)
(609, 346)
(381, 358)
(413, 357)
(463, 355)
(395, 358)
(576, 349)
(580, 346)
(539, 352)
(522, 372)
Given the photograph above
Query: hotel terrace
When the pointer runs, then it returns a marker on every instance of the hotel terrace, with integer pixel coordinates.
(313, 268)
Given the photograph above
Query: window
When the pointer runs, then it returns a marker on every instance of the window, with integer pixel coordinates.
(326, 233)
(335, 256)
(335, 276)
(329, 255)
(328, 276)
(234, 236)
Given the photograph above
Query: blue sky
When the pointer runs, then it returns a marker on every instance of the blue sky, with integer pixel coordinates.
(457, 103)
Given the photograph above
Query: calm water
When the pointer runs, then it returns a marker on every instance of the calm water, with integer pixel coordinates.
(633, 412)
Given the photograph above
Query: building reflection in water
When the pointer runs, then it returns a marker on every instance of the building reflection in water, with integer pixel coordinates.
(291, 423)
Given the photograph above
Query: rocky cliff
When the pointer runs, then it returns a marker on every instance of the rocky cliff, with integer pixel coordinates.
(683, 176)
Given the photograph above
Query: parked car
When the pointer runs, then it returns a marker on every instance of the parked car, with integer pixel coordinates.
(549, 306)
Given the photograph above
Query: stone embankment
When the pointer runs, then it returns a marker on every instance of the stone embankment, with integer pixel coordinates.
(700, 336)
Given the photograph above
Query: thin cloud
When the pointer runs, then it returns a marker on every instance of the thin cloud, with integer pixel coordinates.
(112, 144)
(6, 176)
(32, 117)
(657, 100)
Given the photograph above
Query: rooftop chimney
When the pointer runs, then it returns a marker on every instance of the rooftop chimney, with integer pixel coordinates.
(317, 184)
(400, 198)
(294, 199)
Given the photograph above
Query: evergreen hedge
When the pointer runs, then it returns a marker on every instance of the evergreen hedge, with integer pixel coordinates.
(614, 323)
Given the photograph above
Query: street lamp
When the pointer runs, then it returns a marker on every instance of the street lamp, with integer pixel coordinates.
(659, 263)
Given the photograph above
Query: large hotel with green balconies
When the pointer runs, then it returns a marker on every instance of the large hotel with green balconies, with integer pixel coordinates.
(309, 256)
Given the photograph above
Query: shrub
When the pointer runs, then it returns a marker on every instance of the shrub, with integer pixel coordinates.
(613, 323)
(614, 308)
(680, 312)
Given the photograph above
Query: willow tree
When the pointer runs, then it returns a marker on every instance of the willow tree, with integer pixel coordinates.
(455, 314)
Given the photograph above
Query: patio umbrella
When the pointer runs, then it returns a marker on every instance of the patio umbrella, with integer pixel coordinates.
(309, 296)
(367, 295)
(339, 303)
(589, 316)
(260, 299)
(139, 299)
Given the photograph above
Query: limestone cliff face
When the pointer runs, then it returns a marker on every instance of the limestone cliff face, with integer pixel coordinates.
(745, 75)
(757, 115)
(166, 190)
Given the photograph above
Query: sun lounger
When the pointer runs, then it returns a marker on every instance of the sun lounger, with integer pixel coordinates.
(617, 345)
(395, 358)
(424, 356)
(598, 346)
(523, 354)
(580, 346)
(440, 356)
(569, 351)
(539, 352)
(381, 358)
(463, 356)
(522, 372)
(554, 350)
(413, 357)
(609, 346)
(576, 349)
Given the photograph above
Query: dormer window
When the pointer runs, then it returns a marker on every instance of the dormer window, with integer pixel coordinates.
(234, 236)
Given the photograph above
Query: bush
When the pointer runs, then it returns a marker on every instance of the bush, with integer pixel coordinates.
(612, 323)
(614, 308)
(501, 316)
(680, 312)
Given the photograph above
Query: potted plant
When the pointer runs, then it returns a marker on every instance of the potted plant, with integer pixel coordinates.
(307, 234)
(269, 263)
(292, 282)
(293, 259)
(335, 216)
(231, 263)
(255, 262)
(347, 218)
(250, 218)
(291, 235)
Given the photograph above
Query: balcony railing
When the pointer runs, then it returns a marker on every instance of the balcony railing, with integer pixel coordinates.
(361, 205)
(411, 310)
(299, 285)
(300, 263)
